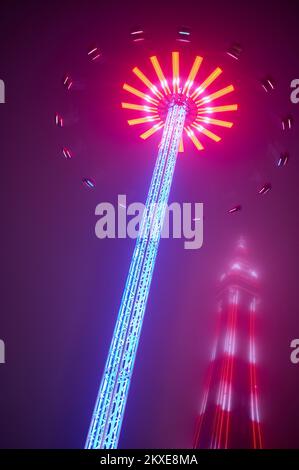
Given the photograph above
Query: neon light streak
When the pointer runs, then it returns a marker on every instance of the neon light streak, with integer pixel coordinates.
(203, 406)
(232, 355)
(206, 132)
(147, 82)
(193, 72)
(254, 409)
(194, 139)
(225, 386)
(133, 122)
(214, 96)
(223, 412)
(215, 122)
(175, 72)
(138, 93)
(160, 74)
(207, 387)
(210, 79)
(113, 392)
(151, 131)
(139, 107)
(66, 153)
(218, 109)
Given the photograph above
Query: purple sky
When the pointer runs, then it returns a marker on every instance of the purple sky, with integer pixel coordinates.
(61, 286)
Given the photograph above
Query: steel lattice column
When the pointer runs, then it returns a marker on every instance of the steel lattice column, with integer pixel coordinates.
(113, 392)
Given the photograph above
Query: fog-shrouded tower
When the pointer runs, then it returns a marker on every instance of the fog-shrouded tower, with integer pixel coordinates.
(229, 415)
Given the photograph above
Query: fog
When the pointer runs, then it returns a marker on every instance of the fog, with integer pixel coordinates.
(62, 285)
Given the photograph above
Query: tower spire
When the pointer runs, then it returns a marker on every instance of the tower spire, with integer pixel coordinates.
(229, 416)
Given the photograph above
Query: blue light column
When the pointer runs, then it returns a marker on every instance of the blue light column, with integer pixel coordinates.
(109, 409)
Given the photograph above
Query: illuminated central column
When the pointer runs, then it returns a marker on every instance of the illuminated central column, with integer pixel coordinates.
(109, 409)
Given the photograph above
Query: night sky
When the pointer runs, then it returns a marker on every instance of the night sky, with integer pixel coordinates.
(61, 286)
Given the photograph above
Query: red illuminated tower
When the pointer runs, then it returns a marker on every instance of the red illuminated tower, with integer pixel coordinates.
(229, 415)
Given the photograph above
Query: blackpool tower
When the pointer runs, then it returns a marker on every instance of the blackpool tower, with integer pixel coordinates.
(229, 415)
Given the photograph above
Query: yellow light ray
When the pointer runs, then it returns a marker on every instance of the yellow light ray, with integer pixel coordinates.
(160, 74)
(193, 72)
(133, 122)
(139, 107)
(147, 82)
(218, 109)
(138, 93)
(216, 122)
(175, 71)
(217, 94)
(210, 79)
(152, 130)
(206, 132)
(194, 139)
(181, 146)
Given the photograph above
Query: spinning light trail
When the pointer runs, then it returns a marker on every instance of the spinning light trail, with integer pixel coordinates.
(179, 107)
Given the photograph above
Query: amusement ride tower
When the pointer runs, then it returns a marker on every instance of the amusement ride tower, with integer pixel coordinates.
(176, 107)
